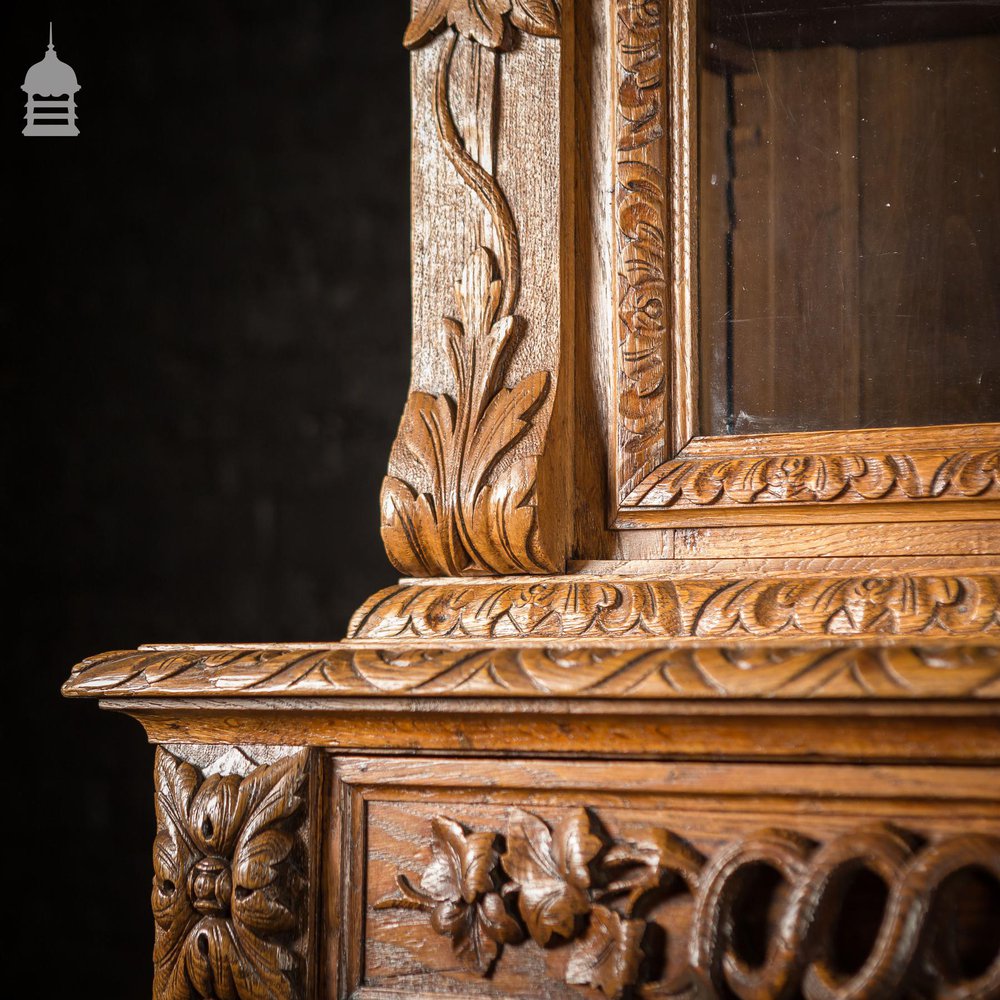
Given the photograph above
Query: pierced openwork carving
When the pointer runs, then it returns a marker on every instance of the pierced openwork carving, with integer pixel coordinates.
(685, 608)
(226, 887)
(477, 512)
(570, 884)
(632, 670)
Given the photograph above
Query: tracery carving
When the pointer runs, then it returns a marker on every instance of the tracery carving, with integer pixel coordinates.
(571, 884)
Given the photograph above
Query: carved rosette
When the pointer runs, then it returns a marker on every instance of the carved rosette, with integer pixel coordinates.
(458, 501)
(226, 886)
(572, 885)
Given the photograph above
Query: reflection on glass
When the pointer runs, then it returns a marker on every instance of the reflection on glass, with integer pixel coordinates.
(849, 214)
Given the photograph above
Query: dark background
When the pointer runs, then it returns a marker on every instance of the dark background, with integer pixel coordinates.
(205, 324)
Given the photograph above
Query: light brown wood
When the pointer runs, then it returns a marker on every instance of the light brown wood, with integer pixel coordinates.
(748, 745)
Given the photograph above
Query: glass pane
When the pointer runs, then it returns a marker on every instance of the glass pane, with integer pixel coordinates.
(849, 217)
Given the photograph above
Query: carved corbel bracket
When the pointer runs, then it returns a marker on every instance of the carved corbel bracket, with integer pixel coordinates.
(466, 472)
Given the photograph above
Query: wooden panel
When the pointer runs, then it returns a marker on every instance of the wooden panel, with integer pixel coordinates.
(530, 878)
(930, 181)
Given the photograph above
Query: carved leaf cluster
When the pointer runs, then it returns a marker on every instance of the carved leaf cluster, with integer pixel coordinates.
(222, 886)
(580, 889)
(478, 514)
(484, 21)
(459, 890)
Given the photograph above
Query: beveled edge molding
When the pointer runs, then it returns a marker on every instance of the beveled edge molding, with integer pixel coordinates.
(569, 883)
(644, 670)
(228, 892)
(476, 512)
(924, 606)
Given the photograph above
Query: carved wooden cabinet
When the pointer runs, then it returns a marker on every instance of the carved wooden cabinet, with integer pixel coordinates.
(691, 684)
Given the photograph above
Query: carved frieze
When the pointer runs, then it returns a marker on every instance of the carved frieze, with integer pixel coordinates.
(935, 669)
(227, 887)
(570, 884)
(563, 608)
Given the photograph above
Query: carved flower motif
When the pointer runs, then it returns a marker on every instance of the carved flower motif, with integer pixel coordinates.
(485, 21)
(219, 886)
(459, 889)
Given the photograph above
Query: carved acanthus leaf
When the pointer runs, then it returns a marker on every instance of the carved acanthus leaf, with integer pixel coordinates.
(477, 514)
(562, 608)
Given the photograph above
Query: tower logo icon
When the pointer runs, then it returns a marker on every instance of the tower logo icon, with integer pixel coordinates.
(51, 88)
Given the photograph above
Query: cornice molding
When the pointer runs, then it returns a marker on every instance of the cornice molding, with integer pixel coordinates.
(858, 669)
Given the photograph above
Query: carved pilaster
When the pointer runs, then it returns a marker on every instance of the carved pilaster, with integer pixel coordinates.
(229, 891)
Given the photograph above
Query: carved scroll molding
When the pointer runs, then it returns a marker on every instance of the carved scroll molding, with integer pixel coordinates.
(820, 478)
(755, 608)
(461, 496)
(569, 884)
(642, 298)
(640, 670)
(228, 885)
(660, 464)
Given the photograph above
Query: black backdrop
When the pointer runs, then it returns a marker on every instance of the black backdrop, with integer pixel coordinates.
(205, 324)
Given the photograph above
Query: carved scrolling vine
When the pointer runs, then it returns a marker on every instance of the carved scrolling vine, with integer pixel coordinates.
(924, 606)
(571, 884)
(478, 514)
(225, 882)
(641, 244)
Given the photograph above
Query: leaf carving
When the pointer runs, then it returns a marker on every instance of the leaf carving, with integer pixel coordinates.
(484, 21)
(223, 882)
(609, 954)
(550, 871)
(478, 515)
(459, 890)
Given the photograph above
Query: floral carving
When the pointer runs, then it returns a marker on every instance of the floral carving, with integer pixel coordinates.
(592, 893)
(459, 890)
(698, 482)
(477, 513)
(562, 608)
(640, 238)
(224, 884)
(484, 21)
